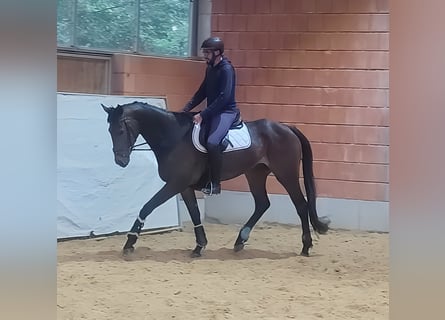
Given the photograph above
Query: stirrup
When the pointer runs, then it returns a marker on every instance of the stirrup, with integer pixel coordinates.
(211, 189)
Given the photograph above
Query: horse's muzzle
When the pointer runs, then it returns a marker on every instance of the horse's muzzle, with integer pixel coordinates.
(122, 162)
(121, 159)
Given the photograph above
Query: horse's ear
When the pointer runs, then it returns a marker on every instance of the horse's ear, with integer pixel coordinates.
(119, 110)
(107, 109)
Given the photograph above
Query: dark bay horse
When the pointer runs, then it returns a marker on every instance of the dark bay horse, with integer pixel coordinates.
(275, 148)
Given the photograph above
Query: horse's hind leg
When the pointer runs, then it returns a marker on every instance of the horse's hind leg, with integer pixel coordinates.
(189, 198)
(292, 186)
(256, 178)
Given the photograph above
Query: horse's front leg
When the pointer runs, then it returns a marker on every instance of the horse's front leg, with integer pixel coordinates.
(166, 192)
(189, 198)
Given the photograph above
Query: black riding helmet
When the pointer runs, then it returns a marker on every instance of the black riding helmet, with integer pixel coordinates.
(213, 43)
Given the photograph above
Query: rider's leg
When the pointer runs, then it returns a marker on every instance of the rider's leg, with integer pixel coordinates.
(219, 126)
(215, 160)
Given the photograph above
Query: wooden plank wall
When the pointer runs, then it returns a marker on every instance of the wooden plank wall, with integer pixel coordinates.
(321, 65)
(83, 73)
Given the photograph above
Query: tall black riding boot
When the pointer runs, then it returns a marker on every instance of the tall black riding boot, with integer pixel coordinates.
(215, 161)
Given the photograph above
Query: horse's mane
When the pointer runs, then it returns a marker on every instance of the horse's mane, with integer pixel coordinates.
(142, 105)
(182, 118)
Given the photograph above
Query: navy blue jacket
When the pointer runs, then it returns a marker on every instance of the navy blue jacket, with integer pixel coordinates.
(218, 87)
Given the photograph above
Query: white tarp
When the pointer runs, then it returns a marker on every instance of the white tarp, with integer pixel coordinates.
(93, 193)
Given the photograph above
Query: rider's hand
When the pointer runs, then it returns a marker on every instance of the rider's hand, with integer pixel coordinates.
(197, 118)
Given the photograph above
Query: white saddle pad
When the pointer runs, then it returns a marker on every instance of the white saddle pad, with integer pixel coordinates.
(238, 138)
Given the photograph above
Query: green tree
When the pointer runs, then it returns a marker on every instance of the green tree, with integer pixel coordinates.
(164, 27)
(64, 22)
(113, 25)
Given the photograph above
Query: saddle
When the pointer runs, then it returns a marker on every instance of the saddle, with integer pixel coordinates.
(237, 138)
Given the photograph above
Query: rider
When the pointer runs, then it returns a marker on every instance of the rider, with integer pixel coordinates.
(218, 87)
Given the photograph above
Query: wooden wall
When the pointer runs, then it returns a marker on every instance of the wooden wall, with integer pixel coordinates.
(323, 66)
(83, 73)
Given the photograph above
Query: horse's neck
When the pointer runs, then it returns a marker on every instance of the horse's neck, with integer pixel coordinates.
(160, 129)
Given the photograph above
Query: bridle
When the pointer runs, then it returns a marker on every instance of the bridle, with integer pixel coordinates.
(133, 147)
(129, 135)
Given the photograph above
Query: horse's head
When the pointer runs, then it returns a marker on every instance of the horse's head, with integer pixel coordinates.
(124, 132)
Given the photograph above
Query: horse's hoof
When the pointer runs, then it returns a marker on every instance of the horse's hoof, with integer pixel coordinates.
(238, 247)
(196, 253)
(128, 251)
(304, 254)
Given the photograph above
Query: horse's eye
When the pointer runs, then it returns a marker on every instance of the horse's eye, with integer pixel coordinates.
(121, 132)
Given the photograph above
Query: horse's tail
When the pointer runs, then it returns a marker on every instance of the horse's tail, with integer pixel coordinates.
(309, 183)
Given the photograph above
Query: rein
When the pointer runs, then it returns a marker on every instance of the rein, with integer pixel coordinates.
(133, 148)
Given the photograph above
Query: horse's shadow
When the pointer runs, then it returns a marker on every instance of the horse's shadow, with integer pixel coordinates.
(181, 255)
